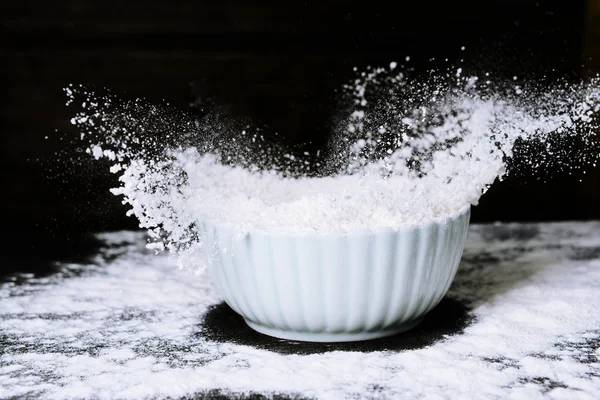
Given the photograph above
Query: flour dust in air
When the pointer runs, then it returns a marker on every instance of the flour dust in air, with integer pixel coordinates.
(404, 150)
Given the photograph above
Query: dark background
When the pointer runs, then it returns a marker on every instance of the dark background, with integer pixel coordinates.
(277, 62)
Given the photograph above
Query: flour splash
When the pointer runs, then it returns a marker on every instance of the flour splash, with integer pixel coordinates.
(404, 151)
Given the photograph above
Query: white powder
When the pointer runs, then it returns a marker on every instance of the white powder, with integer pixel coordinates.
(406, 153)
(128, 326)
(266, 201)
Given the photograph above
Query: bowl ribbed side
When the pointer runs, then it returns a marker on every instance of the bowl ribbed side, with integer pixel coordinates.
(336, 283)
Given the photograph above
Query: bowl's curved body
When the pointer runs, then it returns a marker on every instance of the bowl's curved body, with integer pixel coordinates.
(336, 287)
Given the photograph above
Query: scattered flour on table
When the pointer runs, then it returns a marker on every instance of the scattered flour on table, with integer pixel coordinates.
(404, 151)
(126, 326)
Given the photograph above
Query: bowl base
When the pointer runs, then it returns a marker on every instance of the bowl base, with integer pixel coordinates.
(331, 337)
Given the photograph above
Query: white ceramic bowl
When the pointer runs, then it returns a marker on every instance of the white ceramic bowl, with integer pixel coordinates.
(336, 287)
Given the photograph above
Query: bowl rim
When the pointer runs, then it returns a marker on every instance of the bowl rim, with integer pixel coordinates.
(362, 232)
